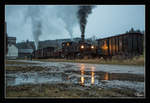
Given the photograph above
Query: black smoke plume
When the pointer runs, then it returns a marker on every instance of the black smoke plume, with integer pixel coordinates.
(83, 13)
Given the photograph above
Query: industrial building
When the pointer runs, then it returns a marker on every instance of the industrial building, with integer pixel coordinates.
(12, 49)
(10, 46)
(25, 50)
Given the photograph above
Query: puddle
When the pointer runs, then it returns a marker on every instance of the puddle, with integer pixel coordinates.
(82, 74)
(34, 78)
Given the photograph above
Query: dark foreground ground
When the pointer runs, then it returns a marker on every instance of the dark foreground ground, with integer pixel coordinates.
(72, 80)
(66, 91)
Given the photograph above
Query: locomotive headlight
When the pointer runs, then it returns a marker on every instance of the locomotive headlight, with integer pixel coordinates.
(67, 44)
(82, 46)
(92, 47)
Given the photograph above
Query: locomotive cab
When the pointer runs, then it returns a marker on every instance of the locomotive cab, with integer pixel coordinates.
(69, 49)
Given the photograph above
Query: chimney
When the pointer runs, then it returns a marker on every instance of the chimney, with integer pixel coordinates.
(82, 37)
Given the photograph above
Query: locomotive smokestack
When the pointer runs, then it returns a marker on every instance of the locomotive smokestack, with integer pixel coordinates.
(82, 37)
(83, 13)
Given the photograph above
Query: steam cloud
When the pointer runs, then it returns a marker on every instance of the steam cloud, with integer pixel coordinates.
(82, 15)
(50, 16)
(68, 16)
(34, 14)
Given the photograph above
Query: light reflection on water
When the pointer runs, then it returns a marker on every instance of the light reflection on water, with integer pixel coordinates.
(83, 76)
(92, 75)
(82, 69)
(104, 76)
(36, 77)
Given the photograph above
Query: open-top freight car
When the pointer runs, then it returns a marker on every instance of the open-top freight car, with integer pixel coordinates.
(129, 44)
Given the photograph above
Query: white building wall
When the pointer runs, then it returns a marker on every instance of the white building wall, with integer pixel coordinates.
(12, 52)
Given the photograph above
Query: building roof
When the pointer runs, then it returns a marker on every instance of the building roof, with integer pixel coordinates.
(25, 50)
(10, 45)
(118, 35)
(12, 38)
(25, 45)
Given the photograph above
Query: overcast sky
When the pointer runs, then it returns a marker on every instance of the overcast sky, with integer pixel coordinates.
(105, 20)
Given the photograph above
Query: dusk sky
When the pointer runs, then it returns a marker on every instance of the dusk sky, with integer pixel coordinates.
(105, 20)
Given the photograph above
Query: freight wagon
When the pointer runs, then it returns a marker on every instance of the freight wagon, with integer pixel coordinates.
(47, 52)
(57, 53)
(129, 44)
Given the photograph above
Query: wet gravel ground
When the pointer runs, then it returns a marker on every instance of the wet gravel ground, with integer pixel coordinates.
(101, 76)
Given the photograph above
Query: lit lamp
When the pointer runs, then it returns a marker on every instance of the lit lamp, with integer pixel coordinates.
(92, 47)
(105, 47)
(67, 44)
(82, 46)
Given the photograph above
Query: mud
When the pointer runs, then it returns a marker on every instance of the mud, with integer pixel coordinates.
(77, 74)
(66, 90)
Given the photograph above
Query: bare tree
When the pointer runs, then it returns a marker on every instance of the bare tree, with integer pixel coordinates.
(138, 31)
(131, 30)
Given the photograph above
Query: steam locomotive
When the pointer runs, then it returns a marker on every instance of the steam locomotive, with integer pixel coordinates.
(72, 50)
(129, 44)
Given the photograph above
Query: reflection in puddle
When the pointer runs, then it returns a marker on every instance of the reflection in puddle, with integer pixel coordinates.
(34, 78)
(106, 77)
(82, 69)
(82, 73)
(92, 75)
(84, 76)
